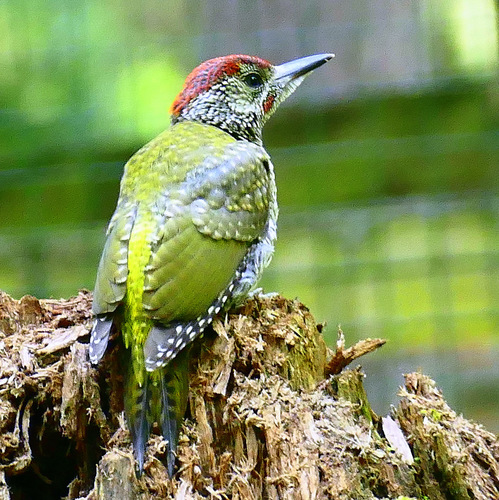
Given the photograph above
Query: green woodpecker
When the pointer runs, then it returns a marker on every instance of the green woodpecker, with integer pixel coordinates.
(194, 227)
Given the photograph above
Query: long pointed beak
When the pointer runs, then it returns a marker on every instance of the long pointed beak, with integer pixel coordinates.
(299, 67)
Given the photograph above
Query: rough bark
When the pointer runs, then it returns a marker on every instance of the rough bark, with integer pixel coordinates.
(272, 414)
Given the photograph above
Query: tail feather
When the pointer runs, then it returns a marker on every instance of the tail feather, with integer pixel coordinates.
(174, 395)
(162, 398)
(138, 400)
(167, 419)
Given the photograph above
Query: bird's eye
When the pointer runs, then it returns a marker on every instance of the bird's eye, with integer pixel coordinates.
(253, 80)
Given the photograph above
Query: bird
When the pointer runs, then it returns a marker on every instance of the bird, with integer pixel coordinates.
(194, 227)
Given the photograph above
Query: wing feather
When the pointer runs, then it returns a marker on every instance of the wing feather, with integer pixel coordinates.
(207, 200)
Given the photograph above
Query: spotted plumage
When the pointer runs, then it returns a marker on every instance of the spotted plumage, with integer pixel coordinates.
(194, 228)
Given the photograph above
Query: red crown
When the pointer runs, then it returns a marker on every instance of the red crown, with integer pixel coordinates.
(209, 72)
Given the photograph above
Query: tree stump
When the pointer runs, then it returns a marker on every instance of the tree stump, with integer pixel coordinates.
(273, 413)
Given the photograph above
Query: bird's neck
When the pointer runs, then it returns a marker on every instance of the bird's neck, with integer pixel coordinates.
(239, 126)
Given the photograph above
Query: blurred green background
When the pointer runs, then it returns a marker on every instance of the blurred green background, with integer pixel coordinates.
(386, 161)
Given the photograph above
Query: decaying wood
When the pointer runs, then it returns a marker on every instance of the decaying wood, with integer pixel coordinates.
(266, 418)
(342, 357)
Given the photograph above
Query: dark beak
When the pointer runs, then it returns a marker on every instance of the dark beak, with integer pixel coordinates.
(299, 67)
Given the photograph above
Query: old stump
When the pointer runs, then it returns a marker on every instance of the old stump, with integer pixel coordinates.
(273, 413)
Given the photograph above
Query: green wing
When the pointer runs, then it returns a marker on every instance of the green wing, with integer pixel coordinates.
(199, 247)
(201, 198)
(187, 271)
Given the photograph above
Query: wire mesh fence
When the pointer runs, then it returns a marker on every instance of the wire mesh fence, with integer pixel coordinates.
(420, 269)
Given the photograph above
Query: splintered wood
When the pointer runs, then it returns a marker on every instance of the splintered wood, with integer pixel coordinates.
(272, 414)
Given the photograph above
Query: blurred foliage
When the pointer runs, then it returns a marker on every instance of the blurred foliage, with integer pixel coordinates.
(386, 159)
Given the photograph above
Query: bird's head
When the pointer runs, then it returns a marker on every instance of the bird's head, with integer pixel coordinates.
(238, 93)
